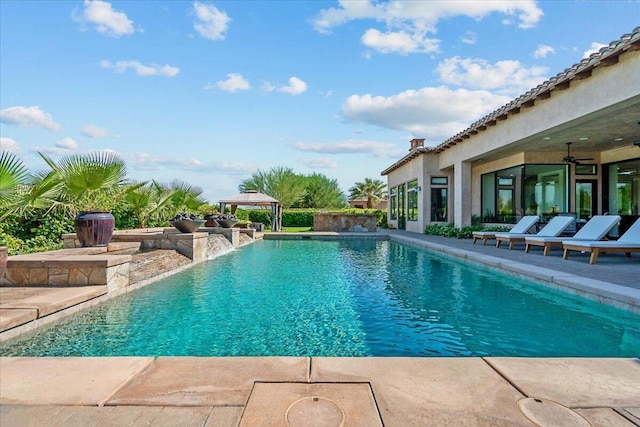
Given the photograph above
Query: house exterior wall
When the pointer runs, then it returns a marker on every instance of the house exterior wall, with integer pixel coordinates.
(513, 139)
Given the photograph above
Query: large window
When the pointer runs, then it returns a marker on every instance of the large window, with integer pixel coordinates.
(509, 194)
(622, 192)
(546, 190)
(439, 198)
(624, 188)
(412, 200)
(394, 203)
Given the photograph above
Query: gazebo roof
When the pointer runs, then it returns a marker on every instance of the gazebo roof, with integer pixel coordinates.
(250, 198)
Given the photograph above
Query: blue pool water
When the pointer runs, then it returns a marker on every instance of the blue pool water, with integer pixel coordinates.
(340, 298)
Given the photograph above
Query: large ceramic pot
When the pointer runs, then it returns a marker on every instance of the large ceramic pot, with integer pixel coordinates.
(94, 228)
(3, 260)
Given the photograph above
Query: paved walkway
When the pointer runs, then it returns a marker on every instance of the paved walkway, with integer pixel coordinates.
(271, 391)
(299, 391)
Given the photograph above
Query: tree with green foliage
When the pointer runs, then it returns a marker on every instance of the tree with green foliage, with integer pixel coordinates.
(373, 190)
(321, 192)
(281, 183)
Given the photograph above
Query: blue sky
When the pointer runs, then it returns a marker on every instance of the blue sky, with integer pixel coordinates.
(209, 92)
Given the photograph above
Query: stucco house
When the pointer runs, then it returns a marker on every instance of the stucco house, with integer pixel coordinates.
(572, 144)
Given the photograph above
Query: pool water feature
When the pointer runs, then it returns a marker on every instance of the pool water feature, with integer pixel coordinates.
(361, 297)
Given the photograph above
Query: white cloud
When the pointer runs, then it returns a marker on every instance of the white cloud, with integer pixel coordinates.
(211, 23)
(416, 18)
(140, 69)
(10, 145)
(233, 83)
(148, 161)
(400, 42)
(104, 18)
(295, 87)
(543, 50)
(434, 113)
(507, 77)
(319, 163)
(67, 144)
(28, 117)
(470, 37)
(377, 149)
(595, 48)
(93, 131)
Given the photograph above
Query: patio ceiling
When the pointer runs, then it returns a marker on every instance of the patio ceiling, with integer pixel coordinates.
(614, 127)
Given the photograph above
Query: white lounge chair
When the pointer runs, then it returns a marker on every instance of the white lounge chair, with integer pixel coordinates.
(554, 228)
(524, 225)
(595, 229)
(627, 243)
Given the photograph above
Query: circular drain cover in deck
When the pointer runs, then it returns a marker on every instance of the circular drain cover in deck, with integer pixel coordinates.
(314, 411)
(545, 413)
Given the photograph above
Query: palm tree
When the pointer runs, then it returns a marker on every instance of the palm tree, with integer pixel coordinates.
(88, 182)
(373, 190)
(147, 201)
(13, 174)
(185, 197)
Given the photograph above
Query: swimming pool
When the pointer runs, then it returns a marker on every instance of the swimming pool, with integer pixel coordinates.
(339, 298)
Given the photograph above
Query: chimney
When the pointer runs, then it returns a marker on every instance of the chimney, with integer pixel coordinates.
(416, 143)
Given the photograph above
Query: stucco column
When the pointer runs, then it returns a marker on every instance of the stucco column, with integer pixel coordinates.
(462, 194)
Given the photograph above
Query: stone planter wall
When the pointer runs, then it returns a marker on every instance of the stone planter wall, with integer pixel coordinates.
(68, 270)
(344, 222)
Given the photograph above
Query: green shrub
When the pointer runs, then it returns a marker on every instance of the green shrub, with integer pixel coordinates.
(449, 230)
(37, 230)
(298, 217)
(260, 215)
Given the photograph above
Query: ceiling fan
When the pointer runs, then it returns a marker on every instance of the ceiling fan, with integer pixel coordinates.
(570, 159)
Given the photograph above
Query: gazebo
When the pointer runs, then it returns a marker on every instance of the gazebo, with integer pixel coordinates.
(253, 198)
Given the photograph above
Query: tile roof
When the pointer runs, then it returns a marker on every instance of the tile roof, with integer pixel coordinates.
(605, 57)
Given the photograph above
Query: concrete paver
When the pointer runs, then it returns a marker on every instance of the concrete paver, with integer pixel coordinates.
(575, 382)
(429, 391)
(214, 381)
(632, 414)
(12, 317)
(47, 299)
(353, 404)
(604, 417)
(65, 380)
(81, 416)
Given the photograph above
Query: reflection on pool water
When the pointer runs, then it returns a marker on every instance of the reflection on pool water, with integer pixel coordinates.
(340, 298)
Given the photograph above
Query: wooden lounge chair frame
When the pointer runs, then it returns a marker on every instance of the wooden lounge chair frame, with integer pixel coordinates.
(627, 243)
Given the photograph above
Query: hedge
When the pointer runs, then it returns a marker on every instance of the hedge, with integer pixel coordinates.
(304, 217)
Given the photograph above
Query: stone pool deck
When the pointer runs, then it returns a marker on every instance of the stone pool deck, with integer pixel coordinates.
(272, 391)
(269, 391)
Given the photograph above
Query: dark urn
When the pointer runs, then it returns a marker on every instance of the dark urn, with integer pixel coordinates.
(94, 228)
